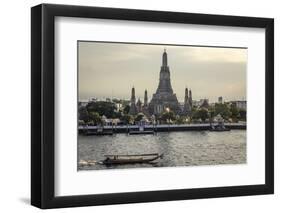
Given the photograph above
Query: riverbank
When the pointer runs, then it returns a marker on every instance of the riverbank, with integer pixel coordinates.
(157, 128)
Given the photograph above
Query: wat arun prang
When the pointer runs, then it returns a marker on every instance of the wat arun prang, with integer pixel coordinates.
(164, 99)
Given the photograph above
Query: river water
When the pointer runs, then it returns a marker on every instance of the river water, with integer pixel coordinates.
(190, 148)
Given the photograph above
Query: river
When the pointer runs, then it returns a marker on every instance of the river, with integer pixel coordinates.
(189, 148)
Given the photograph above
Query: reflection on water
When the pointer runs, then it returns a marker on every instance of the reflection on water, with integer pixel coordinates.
(179, 148)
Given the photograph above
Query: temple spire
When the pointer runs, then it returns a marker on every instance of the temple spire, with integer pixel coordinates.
(187, 108)
(133, 109)
(133, 95)
(164, 59)
(145, 99)
(186, 95)
(190, 98)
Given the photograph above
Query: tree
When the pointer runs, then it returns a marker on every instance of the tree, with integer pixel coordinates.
(139, 116)
(116, 115)
(103, 108)
(202, 114)
(117, 101)
(243, 114)
(126, 109)
(181, 119)
(234, 112)
(83, 114)
(194, 112)
(168, 116)
(223, 110)
(212, 111)
(95, 118)
(127, 119)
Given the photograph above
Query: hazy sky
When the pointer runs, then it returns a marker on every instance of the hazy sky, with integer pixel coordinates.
(112, 69)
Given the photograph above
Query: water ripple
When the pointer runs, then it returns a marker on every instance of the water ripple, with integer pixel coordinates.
(179, 148)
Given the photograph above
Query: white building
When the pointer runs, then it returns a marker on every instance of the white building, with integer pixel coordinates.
(220, 100)
(241, 104)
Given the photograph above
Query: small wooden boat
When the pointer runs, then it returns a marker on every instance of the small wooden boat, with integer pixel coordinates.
(131, 159)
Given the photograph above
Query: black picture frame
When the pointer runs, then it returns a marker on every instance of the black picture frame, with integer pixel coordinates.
(43, 105)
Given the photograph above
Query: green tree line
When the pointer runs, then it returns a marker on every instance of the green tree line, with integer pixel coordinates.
(93, 112)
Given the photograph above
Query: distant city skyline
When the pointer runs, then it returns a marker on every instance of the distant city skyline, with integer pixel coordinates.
(110, 70)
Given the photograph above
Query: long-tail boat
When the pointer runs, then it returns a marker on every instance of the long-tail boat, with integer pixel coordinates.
(131, 159)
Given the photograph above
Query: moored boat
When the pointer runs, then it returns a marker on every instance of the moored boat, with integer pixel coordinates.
(219, 127)
(131, 159)
(141, 131)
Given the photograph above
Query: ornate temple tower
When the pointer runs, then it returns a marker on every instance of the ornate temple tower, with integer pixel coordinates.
(133, 108)
(187, 107)
(164, 98)
(164, 85)
(190, 98)
(139, 106)
(186, 96)
(145, 104)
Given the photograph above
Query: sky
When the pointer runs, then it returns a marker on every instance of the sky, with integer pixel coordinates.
(112, 69)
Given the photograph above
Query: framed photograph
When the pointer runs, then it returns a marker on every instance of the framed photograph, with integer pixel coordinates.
(139, 106)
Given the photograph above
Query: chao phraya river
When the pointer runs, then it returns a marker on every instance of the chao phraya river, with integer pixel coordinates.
(189, 148)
